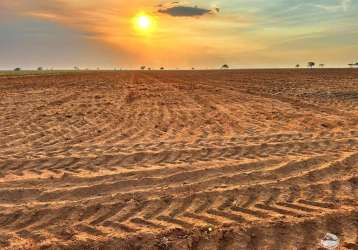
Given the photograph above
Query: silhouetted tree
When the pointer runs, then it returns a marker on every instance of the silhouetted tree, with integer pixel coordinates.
(142, 67)
(311, 64)
(321, 65)
(161, 68)
(193, 68)
(225, 66)
(297, 65)
(39, 68)
(17, 69)
(76, 68)
(149, 68)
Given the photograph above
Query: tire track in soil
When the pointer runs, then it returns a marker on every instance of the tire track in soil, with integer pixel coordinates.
(167, 154)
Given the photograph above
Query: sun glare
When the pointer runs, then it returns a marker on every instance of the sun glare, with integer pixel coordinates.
(144, 22)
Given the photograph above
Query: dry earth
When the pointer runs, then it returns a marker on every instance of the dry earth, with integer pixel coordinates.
(250, 159)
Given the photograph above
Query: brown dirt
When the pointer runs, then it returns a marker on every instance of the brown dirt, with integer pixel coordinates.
(250, 159)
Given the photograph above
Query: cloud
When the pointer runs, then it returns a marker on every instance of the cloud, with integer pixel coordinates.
(341, 5)
(244, 30)
(345, 4)
(185, 11)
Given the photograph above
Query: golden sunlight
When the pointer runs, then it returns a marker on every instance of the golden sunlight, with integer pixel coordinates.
(144, 22)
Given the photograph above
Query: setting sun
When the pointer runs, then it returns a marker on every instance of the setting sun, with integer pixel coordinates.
(144, 22)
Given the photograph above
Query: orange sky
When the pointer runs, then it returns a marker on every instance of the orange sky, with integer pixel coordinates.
(242, 33)
(170, 40)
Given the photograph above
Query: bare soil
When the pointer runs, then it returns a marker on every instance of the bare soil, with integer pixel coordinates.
(237, 159)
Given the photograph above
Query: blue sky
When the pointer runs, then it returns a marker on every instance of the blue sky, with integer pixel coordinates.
(242, 33)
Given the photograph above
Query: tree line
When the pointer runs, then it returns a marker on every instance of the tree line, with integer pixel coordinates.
(224, 66)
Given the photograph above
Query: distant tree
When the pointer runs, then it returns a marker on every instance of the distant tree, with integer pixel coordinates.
(225, 66)
(193, 68)
(161, 68)
(39, 68)
(321, 65)
(297, 65)
(311, 64)
(142, 67)
(17, 69)
(76, 68)
(149, 68)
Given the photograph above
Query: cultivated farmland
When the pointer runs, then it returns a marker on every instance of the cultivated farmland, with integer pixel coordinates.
(230, 159)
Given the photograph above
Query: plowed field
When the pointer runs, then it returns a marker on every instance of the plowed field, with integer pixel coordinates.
(246, 159)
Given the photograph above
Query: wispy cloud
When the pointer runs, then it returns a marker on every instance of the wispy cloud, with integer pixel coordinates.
(342, 5)
(243, 26)
(346, 4)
